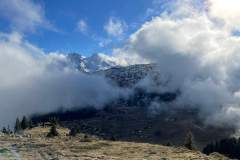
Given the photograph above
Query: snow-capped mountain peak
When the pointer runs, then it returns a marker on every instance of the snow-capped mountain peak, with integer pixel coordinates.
(93, 63)
(98, 62)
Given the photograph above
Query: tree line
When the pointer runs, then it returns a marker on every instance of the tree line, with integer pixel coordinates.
(25, 123)
(229, 147)
(19, 126)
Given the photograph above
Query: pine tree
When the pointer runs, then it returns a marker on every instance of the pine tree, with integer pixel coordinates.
(24, 123)
(18, 126)
(53, 131)
(189, 141)
(4, 130)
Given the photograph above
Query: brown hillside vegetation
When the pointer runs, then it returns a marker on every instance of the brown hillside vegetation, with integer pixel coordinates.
(34, 145)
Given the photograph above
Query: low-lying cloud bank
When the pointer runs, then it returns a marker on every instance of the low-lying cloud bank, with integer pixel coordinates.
(32, 82)
(198, 47)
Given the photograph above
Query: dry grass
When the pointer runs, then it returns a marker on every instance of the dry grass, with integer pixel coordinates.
(37, 147)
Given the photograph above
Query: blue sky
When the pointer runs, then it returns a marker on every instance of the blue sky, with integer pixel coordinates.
(85, 26)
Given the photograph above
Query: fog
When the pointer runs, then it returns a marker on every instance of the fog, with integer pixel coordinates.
(197, 47)
(34, 82)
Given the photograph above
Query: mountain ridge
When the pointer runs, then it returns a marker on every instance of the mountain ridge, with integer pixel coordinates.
(93, 63)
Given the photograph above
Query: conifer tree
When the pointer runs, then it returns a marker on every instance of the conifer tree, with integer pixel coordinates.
(18, 126)
(24, 123)
(4, 130)
(53, 131)
(189, 141)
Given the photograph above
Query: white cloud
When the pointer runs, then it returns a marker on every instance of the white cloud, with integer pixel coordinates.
(200, 56)
(82, 26)
(115, 27)
(35, 82)
(227, 11)
(24, 15)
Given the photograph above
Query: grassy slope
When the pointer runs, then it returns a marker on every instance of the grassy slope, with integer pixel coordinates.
(37, 148)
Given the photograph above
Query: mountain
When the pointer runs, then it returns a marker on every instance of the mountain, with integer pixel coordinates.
(130, 75)
(136, 118)
(93, 63)
(122, 76)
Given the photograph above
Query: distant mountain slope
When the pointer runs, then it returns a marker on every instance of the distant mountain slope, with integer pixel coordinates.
(123, 76)
(130, 75)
